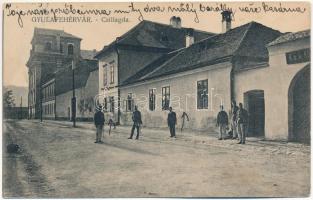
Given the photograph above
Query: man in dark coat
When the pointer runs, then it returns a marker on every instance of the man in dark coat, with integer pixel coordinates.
(222, 122)
(99, 122)
(233, 113)
(171, 121)
(137, 123)
(242, 122)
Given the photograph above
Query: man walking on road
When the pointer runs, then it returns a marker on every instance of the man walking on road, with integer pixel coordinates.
(222, 122)
(137, 123)
(99, 122)
(233, 113)
(171, 122)
(242, 121)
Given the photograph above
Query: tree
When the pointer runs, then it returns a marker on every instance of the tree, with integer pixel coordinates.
(8, 99)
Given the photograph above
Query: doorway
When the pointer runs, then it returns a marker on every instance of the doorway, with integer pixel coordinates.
(299, 107)
(254, 104)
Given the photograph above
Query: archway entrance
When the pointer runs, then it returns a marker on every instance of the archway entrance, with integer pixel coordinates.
(254, 103)
(299, 107)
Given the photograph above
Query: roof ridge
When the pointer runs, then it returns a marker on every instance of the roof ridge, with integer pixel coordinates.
(244, 36)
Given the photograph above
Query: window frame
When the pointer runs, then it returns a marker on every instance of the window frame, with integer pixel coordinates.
(201, 103)
(112, 73)
(68, 45)
(105, 74)
(166, 97)
(129, 102)
(152, 99)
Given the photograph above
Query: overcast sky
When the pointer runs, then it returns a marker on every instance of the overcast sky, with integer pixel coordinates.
(97, 33)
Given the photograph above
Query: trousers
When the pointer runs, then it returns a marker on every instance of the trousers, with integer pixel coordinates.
(172, 130)
(99, 133)
(242, 132)
(222, 130)
(234, 129)
(133, 130)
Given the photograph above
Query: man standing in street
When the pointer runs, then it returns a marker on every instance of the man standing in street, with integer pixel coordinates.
(233, 114)
(242, 121)
(137, 123)
(99, 122)
(171, 122)
(222, 122)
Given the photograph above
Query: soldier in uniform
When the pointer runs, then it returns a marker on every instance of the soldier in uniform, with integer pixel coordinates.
(233, 114)
(137, 123)
(222, 122)
(99, 122)
(242, 122)
(171, 122)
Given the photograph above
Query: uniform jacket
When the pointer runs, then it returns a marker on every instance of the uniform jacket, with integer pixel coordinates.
(171, 118)
(222, 118)
(242, 116)
(99, 118)
(234, 112)
(137, 117)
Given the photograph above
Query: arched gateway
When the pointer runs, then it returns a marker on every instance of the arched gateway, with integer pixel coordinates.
(299, 107)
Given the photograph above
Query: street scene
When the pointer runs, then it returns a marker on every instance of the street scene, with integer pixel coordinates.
(155, 99)
(56, 160)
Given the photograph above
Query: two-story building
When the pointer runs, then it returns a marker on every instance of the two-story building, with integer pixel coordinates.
(51, 50)
(129, 53)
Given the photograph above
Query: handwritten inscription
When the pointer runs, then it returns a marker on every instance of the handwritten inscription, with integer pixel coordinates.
(70, 13)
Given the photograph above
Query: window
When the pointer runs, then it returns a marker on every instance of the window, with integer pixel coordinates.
(202, 94)
(129, 102)
(152, 99)
(298, 56)
(48, 46)
(70, 49)
(111, 99)
(105, 75)
(112, 73)
(165, 97)
(105, 104)
(61, 48)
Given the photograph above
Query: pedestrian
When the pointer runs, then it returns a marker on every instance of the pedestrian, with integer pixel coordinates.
(233, 114)
(99, 122)
(172, 121)
(184, 116)
(222, 122)
(136, 123)
(242, 122)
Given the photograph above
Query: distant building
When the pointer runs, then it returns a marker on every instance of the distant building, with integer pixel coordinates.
(129, 53)
(50, 71)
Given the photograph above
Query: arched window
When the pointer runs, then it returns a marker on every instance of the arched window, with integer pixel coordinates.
(70, 49)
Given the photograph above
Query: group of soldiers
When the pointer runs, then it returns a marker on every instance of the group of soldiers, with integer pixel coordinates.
(137, 122)
(239, 122)
(239, 119)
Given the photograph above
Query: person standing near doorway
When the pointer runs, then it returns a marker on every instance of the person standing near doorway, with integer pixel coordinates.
(171, 122)
(222, 122)
(99, 122)
(242, 122)
(137, 123)
(233, 115)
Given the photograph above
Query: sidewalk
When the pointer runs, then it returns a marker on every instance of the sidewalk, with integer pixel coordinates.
(253, 144)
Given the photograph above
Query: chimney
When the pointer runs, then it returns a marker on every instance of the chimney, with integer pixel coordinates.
(190, 39)
(178, 22)
(226, 21)
(173, 21)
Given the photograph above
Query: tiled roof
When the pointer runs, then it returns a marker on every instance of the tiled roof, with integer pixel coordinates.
(246, 42)
(157, 35)
(54, 32)
(63, 78)
(291, 37)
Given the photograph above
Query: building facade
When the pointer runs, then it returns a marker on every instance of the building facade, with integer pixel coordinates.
(128, 54)
(51, 50)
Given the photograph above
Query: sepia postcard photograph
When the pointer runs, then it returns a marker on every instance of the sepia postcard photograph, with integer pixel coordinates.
(198, 99)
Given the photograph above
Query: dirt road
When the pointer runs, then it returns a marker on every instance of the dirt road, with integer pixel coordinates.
(59, 161)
